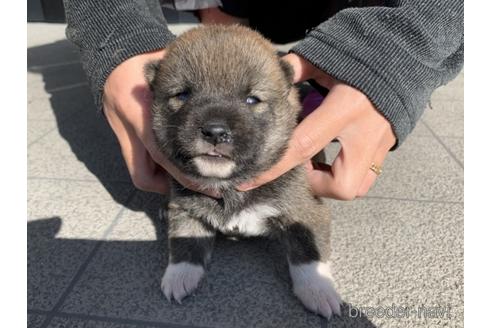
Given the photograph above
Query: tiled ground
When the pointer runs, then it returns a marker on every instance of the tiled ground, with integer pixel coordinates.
(96, 246)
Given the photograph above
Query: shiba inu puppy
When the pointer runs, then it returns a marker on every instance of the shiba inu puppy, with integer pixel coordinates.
(224, 109)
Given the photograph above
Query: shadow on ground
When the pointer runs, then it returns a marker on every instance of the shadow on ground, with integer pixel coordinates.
(120, 279)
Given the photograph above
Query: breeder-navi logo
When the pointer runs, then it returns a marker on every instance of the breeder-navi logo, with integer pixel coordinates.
(397, 311)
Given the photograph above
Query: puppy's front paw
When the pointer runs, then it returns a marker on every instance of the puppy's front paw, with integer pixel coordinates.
(180, 280)
(313, 285)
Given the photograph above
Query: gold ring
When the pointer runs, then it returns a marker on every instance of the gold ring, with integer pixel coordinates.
(376, 169)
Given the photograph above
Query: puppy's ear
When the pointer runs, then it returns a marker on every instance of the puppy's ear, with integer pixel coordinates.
(288, 70)
(150, 71)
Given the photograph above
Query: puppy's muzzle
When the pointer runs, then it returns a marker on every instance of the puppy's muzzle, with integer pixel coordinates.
(216, 132)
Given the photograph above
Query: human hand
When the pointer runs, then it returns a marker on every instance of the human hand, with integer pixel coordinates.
(345, 114)
(127, 100)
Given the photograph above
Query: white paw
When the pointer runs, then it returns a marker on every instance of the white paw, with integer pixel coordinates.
(180, 280)
(313, 285)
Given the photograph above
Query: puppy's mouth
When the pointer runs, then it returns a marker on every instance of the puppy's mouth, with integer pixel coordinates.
(214, 164)
(215, 155)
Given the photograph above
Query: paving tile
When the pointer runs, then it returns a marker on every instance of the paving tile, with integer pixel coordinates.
(243, 288)
(454, 90)
(142, 220)
(65, 220)
(51, 262)
(420, 169)
(420, 130)
(85, 208)
(59, 106)
(56, 84)
(42, 33)
(172, 16)
(331, 151)
(83, 147)
(72, 321)
(179, 21)
(78, 323)
(35, 86)
(63, 76)
(445, 118)
(52, 66)
(399, 252)
(51, 53)
(37, 129)
(456, 146)
(34, 320)
(446, 115)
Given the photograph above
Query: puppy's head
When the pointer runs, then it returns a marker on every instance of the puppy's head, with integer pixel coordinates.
(224, 105)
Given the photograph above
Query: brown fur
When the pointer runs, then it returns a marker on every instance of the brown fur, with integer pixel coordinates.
(206, 74)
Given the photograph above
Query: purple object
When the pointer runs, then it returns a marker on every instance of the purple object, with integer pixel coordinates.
(311, 102)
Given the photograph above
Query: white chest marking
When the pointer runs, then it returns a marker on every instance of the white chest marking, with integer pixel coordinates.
(251, 221)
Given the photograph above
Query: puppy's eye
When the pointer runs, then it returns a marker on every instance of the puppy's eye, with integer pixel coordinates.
(252, 100)
(182, 96)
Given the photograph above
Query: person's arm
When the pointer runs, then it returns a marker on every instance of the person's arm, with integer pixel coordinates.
(116, 39)
(381, 65)
(397, 56)
(108, 32)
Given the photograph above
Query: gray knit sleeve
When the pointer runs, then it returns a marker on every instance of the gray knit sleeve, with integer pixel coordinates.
(107, 32)
(396, 55)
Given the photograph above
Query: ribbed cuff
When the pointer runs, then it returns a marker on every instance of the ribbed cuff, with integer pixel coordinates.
(99, 63)
(328, 57)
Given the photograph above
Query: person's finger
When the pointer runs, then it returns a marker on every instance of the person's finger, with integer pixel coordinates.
(143, 172)
(137, 98)
(147, 175)
(307, 139)
(371, 176)
(304, 70)
(310, 136)
(343, 178)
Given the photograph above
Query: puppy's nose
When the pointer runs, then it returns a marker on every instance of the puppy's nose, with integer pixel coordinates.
(216, 133)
